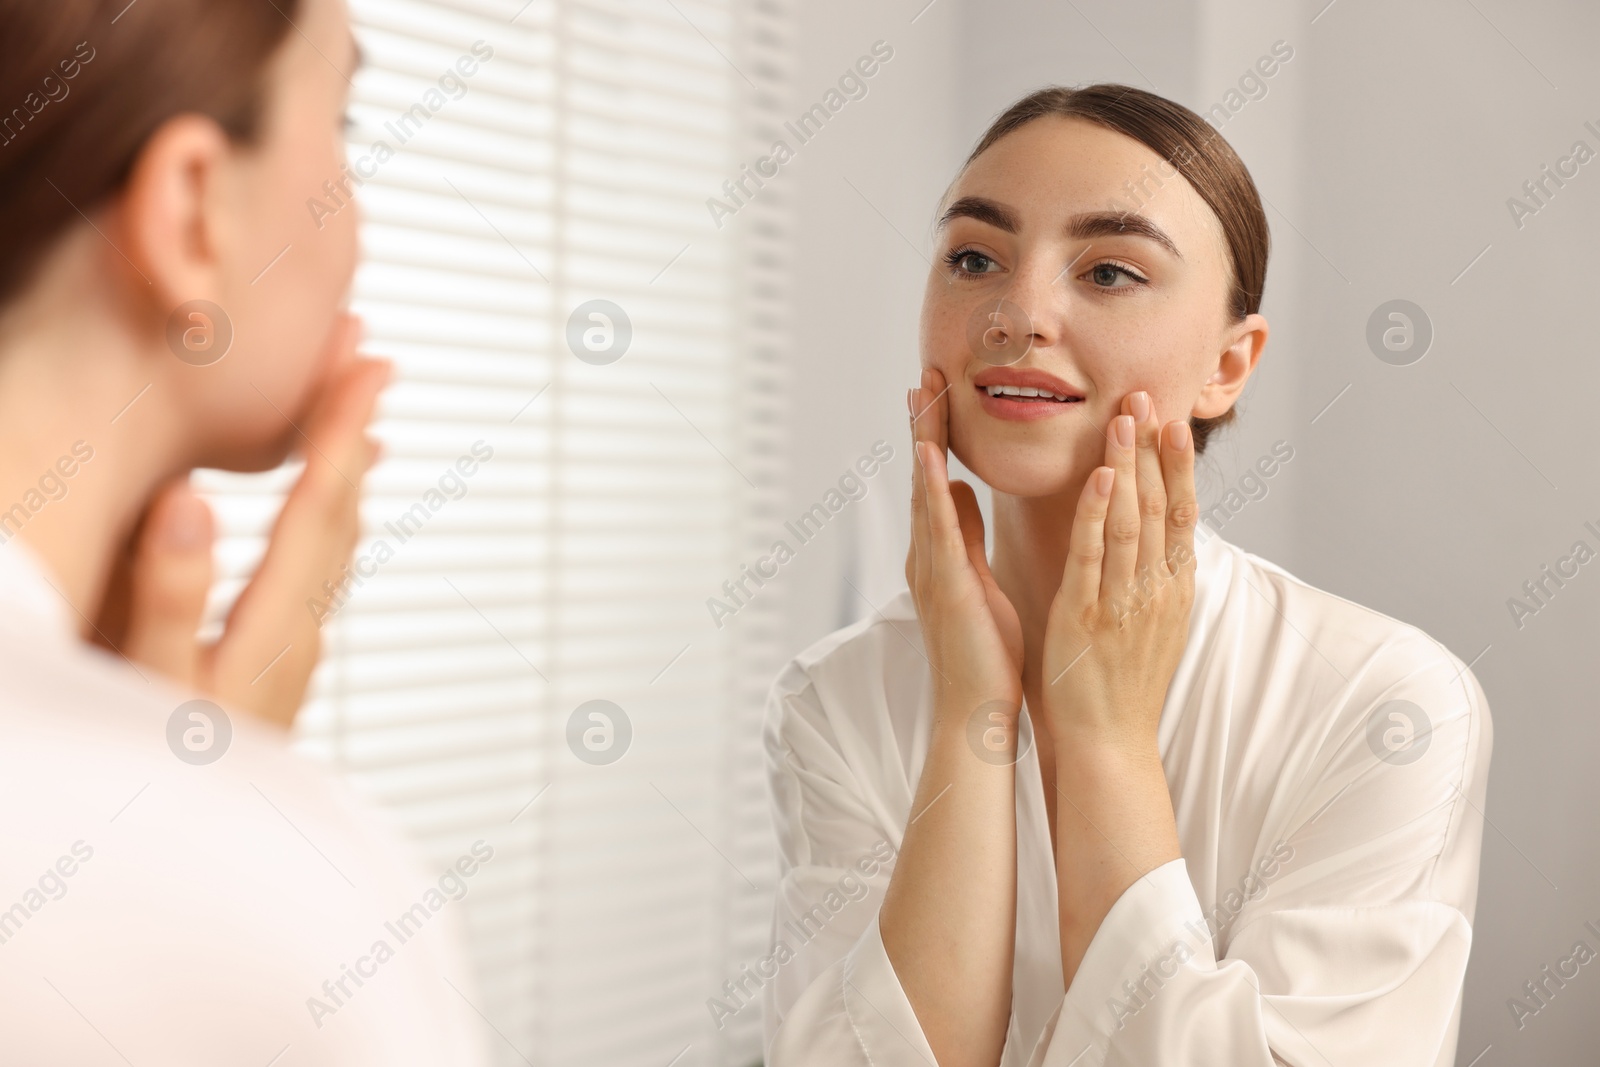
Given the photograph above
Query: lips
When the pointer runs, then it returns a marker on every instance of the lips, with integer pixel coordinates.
(1037, 381)
(1020, 395)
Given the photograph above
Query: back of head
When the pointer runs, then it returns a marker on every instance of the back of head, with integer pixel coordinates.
(86, 82)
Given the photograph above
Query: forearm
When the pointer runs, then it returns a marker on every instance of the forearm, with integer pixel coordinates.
(948, 919)
(1114, 824)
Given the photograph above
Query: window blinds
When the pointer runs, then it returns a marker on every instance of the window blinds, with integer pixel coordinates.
(607, 499)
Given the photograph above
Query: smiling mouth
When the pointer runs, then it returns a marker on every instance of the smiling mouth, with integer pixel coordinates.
(1028, 394)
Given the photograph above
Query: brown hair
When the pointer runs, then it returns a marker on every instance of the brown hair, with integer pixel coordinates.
(85, 83)
(1192, 146)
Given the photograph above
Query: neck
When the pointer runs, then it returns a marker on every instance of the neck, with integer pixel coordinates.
(1031, 536)
(78, 461)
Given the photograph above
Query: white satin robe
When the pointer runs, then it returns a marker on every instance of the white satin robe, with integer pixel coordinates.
(158, 912)
(1324, 900)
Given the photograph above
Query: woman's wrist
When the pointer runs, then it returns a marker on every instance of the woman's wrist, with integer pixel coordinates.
(985, 726)
(1115, 791)
(1094, 764)
(1112, 740)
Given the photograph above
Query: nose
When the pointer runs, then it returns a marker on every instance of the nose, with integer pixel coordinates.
(1002, 327)
(1038, 295)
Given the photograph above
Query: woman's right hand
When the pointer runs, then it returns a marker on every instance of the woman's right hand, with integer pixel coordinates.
(970, 630)
(948, 919)
(271, 641)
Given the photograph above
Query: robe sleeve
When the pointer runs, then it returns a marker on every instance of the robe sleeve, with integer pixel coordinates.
(1349, 946)
(834, 1000)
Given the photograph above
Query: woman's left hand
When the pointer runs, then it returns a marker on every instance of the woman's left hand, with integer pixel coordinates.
(1120, 619)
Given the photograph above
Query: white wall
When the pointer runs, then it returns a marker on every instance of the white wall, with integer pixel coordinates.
(1440, 487)
(866, 191)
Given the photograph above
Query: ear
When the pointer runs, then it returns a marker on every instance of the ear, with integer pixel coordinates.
(1237, 362)
(171, 212)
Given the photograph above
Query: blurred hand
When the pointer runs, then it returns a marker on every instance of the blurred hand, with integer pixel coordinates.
(271, 641)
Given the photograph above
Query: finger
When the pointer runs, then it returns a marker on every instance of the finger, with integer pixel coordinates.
(336, 426)
(340, 450)
(930, 415)
(272, 638)
(111, 619)
(1151, 489)
(1122, 525)
(170, 577)
(911, 542)
(1081, 580)
(970, 517)
(945, 543)
(329, 487)
(933, 411)
(340, 348)
(1183, 509)
(921, 565)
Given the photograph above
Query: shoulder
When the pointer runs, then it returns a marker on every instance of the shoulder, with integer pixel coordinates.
(1357, 739)
(111, 721)
(870, 650)
(84, 733)
(153, 848)
(1346, 687)
(854, 698)
(1320, 632)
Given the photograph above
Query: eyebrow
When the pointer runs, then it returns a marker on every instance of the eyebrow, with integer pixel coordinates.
(1081, 226)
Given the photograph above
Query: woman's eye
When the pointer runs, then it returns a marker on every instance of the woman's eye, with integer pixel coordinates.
(1105, 275)
(973, 263)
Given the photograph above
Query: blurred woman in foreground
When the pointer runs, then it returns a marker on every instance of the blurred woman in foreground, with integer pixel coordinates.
(178, 888)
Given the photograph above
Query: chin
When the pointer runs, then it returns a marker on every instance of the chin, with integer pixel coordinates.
(1024, 471)
(251, 456)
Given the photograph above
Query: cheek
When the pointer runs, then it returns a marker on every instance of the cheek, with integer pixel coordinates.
(1167, 355)
(321, 263)
(954, 321)
(284, 316)
(940, 342)
(327, 213)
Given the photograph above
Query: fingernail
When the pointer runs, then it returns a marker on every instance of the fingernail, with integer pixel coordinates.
(909, 409)
(1178, 436)
(1124, 430)
(1102, 479)
(1140, 403)
(185, 523)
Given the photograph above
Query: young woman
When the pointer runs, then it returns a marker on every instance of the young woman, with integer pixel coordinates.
(1126, 794)
(175, 886)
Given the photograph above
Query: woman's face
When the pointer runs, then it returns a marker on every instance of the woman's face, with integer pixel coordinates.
(283, 271)
(1073, 259)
